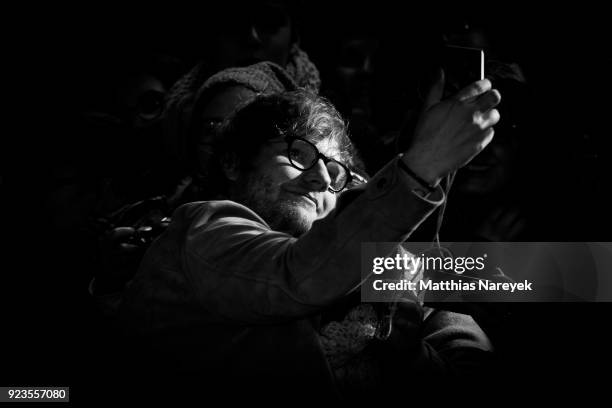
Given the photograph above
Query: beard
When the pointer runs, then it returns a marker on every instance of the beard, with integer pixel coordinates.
(285, 214)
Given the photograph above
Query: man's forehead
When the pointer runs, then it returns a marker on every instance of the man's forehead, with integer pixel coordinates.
(329, 146)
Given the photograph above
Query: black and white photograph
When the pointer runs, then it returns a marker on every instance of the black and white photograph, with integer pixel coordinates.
(305, 202)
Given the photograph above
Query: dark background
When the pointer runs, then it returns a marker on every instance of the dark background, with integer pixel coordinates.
(563, 50)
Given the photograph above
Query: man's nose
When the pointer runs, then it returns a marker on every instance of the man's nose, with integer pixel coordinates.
(317, 177)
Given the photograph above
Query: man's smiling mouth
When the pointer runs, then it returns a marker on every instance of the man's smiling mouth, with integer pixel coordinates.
(309, 198)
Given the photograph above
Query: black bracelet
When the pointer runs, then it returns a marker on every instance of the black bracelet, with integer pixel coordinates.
(412, 174)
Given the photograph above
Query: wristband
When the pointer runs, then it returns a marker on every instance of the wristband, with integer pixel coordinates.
(412, 174)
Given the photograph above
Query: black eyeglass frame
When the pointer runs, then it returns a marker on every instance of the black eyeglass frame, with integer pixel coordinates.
(291, 139)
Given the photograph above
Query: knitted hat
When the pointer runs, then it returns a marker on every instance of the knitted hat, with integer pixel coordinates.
(191, 91)
(261, 78)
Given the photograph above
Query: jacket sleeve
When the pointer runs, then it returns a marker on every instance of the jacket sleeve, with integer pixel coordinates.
(244, 271)
(443, 344)
(456, 341)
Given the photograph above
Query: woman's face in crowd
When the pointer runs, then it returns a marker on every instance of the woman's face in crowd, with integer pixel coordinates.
(214, 113)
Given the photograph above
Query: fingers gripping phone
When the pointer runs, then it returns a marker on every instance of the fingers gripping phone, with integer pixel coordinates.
(462, 66)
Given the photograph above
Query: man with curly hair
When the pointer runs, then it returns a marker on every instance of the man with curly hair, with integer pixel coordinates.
(240, 291)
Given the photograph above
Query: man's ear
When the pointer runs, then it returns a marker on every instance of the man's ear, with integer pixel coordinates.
(230, 163)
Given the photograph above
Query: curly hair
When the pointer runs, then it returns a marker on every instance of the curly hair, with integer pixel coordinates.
(297, 113)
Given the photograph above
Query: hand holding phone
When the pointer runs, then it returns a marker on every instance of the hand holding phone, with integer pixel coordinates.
(451, 131)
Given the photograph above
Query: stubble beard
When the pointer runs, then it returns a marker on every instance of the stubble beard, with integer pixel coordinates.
(282, 214)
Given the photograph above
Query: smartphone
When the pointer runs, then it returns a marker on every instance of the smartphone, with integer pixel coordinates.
(462, 66)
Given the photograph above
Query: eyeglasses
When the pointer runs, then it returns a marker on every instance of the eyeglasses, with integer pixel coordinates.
(149, 106)
(304, 155)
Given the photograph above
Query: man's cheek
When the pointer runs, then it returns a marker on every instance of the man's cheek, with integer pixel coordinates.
(268, 188)
(329, 203)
